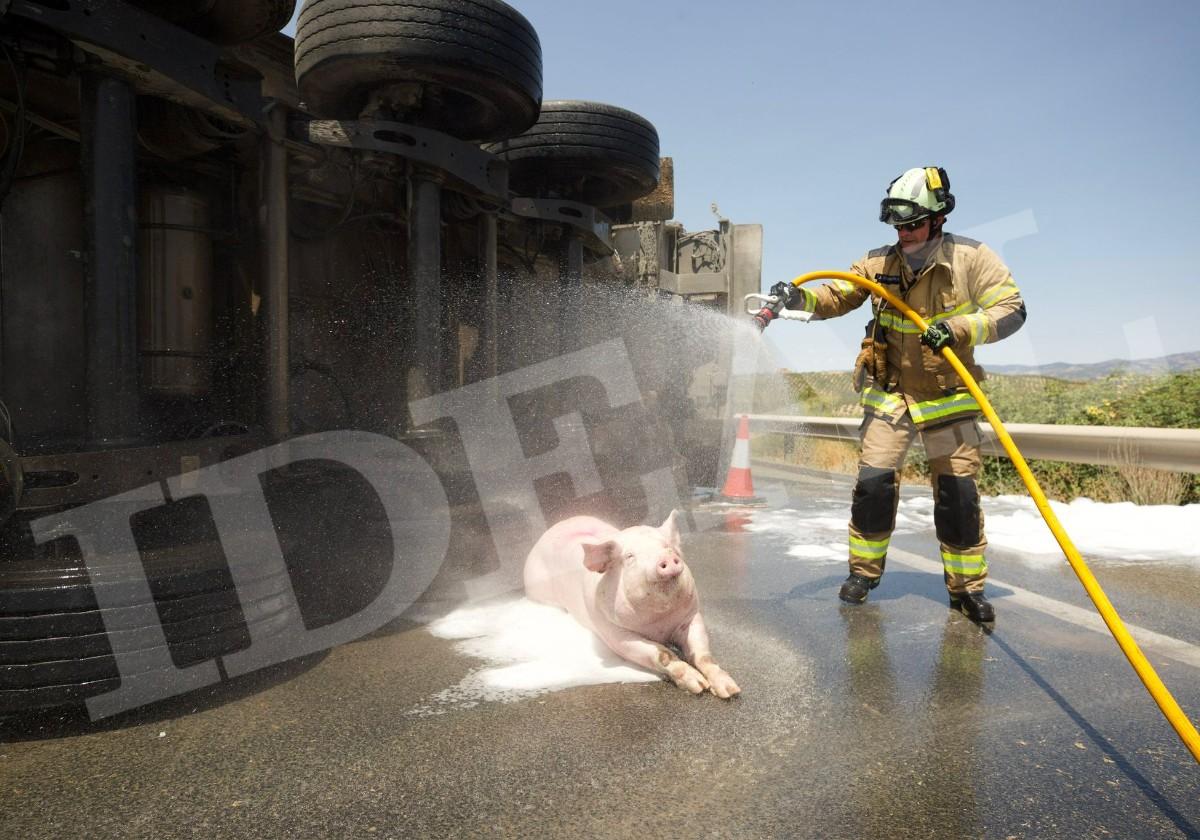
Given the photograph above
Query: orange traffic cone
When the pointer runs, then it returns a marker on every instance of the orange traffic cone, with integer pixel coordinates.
(739, 487)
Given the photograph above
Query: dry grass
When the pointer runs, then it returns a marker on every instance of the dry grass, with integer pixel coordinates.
(835, 456)
(1146, 486)
(829, 455)
(1129, 481)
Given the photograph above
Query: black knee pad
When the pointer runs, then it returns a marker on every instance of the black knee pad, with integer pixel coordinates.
(956, 511)
(873, 508)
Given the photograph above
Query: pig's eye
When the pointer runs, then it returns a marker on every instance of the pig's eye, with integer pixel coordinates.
(628, 555)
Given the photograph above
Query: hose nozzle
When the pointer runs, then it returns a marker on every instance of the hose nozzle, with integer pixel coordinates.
(770, 308)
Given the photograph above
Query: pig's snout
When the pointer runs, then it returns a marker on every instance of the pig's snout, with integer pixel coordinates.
(669, 566)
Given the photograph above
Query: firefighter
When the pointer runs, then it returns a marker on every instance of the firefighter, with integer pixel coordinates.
(968, 297)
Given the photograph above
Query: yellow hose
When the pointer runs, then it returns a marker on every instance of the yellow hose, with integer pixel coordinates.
(1145, 671)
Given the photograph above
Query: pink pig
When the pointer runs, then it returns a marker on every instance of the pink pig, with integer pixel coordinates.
(633, 590)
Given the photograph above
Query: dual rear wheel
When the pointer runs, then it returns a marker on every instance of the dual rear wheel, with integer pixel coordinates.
(224, 21)
(472, 69)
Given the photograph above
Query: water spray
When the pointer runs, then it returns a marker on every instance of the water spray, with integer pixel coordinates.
(773, 308)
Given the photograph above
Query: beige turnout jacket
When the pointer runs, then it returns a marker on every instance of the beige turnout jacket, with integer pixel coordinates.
(964, 284)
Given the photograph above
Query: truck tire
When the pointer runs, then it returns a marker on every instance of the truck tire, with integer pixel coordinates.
(583, 151)
(46, 683)
(55, 646)
(224, 22)
(471, 68)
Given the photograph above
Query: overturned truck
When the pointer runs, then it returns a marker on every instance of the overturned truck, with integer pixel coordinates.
(219, 241)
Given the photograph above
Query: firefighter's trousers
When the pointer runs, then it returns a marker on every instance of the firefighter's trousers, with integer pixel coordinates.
(953, 453)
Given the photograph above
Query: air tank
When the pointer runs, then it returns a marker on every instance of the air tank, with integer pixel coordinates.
(175, 291)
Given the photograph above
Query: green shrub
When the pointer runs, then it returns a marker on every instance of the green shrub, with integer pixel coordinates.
(1120, 399)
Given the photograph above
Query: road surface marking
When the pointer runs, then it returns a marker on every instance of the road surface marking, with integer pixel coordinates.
(1148, 640)
(1163, 645)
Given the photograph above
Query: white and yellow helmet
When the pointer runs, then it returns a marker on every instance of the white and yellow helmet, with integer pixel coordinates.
(917, 194)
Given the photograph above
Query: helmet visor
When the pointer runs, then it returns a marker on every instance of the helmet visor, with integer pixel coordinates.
(900, 211)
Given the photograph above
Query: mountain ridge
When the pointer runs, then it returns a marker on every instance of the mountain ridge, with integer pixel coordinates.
(1173, 363)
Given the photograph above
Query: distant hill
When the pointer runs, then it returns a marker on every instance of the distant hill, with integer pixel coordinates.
(1175, 363)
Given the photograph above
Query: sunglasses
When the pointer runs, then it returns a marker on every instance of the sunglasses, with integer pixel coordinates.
(911, 226)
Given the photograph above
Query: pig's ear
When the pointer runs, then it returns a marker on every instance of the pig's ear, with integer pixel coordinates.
(670, 529)
(597, 556)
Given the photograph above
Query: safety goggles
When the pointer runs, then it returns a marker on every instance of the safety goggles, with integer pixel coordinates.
(901, 211)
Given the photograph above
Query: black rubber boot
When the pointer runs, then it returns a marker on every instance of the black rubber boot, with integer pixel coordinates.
(974, 606)
(856, 587)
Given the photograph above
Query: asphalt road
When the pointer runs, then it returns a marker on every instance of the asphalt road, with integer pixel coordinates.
(898, 718)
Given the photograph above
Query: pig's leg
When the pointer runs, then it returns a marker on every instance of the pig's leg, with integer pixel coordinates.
(658, 658)
(693, 640)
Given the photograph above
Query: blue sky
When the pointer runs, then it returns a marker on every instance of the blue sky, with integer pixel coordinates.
(1070, 131)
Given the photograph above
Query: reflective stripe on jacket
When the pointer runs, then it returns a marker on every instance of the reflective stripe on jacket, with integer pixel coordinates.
(964, 284)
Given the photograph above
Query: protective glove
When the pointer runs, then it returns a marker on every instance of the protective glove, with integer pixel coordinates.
(871, 361)
(938, 336)
(787, 294)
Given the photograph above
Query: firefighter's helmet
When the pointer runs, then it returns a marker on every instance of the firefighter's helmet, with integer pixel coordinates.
(917, 194)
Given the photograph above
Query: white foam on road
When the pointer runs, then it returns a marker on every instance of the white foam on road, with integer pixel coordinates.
(527, 649)
(1119, 532)
(1111, 533)
(830, 519)
(1116, 533)
(831, 553)
(1176, 649)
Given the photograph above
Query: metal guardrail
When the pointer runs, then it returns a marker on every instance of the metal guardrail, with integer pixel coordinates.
(1176, 450)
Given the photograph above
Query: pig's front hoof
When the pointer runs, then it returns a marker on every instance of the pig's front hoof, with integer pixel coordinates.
(687, 677)
(722, 685)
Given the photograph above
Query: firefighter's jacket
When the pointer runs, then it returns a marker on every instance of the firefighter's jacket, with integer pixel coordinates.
(963, 283)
